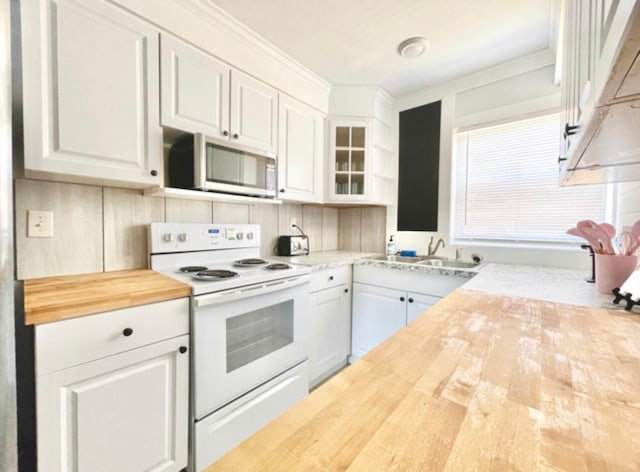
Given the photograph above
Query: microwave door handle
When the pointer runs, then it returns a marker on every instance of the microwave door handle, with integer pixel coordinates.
(200, 160)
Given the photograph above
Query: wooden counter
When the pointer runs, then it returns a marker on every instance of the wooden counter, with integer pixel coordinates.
(480, 382)
(57, 298)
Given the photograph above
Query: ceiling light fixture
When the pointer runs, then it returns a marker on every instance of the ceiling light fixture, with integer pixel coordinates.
(413, 47)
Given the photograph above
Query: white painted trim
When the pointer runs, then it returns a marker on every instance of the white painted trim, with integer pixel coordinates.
(505, 70)
(227, 23)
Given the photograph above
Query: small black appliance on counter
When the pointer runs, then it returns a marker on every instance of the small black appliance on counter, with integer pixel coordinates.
(293, 245)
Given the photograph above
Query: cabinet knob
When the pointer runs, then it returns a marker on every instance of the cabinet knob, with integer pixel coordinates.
(331, 277)
(225, 133)
(346, 290)
(236, 135)
(127, 332)
(154, 172)
(281, 190)
(411, 300)
(401, 299)
(182, 349)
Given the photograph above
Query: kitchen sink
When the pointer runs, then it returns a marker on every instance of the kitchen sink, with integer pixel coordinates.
(447, 263)
(434, 261)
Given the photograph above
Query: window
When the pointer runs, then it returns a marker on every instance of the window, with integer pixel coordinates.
(506, 185)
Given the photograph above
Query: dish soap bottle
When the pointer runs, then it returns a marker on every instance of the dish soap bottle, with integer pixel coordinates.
(391, 246)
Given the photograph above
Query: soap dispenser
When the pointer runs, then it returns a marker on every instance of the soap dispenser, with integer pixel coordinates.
(391, 246)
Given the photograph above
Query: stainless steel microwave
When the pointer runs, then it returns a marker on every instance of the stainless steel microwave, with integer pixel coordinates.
(202, 163)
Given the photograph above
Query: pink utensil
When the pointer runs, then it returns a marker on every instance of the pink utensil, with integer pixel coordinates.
(635, 229)
(600, 235)
(593, 242)
(608, 229)
(627, 240)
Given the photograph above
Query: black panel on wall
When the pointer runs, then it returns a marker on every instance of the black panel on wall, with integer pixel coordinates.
(419, 158)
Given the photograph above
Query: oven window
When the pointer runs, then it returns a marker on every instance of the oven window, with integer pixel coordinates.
(258, 333)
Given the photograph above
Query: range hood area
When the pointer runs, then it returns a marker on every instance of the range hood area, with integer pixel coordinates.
(607, 148)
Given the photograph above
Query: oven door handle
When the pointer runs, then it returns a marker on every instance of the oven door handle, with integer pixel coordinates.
(225, 296)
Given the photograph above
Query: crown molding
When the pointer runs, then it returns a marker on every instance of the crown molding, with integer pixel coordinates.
(221, 20)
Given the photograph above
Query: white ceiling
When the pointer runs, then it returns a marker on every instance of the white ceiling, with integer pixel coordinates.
(354, 42)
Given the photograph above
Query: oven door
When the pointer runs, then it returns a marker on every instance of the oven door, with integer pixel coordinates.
(244, 342)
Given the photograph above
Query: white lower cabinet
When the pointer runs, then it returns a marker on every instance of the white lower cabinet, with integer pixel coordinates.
(126, 411)
(330, 322)
(377, 314)
(386, 299)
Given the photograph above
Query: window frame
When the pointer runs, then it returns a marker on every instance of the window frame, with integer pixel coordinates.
(611, 198)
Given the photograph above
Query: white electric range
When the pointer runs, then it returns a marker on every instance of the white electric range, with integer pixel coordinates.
(249, 330)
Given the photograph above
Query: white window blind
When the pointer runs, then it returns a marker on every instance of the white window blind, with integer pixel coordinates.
(507, 185)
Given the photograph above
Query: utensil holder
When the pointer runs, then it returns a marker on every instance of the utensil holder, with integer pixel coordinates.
(612, 270)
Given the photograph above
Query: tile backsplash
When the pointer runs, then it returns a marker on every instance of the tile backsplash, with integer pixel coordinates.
(103, 228)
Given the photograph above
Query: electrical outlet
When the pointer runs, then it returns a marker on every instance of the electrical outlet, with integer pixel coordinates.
(39, 224)
(292, 222)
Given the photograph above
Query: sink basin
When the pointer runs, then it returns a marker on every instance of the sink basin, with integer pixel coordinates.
(433, 261)
(447, 263)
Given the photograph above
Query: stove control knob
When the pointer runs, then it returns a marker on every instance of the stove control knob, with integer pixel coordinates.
(167, 237)
(184, 237)
(239, 236)
(249, 235)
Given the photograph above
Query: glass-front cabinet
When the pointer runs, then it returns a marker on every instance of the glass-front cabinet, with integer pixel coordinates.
(349, 161)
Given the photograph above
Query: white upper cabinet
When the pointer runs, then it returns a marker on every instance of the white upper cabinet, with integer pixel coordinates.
(201, 94)
(90, 91)
(254, 113)
(300, 157)
(599, 84)
(195, 89)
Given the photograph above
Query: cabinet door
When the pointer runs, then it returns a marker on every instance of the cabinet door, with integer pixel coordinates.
(418, 303)
(301, 134)
(254, 113)
(91, 80)
(127, 412)
(349, 166)
(330, 331)
(195, 90)
(377, 314)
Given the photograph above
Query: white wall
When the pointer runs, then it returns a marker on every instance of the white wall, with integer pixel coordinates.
(629, 203)
(517, 88)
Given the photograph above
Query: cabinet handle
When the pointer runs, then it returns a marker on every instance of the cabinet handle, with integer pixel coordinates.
(154, 172)
(127, 332)
(401, 299)
(346, 290)
(411, 300)
(281, 190)
(236, 135)
(182, 349)
(331, 277)
(225, 133)
(570, 130)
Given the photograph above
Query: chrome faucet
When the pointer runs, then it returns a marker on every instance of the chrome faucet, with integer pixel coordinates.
(432, 250)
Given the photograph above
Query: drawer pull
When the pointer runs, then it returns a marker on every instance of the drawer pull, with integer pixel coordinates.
(401, 299)
(346, 290)
(182, 349)
(127, 332)
(411, 300)
(331, 277)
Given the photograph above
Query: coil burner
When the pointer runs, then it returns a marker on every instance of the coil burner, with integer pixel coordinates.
(213, 275)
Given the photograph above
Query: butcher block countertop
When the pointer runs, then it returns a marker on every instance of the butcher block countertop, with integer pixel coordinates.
(56, 298)
(479, 382)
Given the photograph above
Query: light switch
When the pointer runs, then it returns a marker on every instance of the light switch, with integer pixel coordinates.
(39, 224)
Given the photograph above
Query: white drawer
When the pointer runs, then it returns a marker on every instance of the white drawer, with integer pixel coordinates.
(328, 278)
(71, 342)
